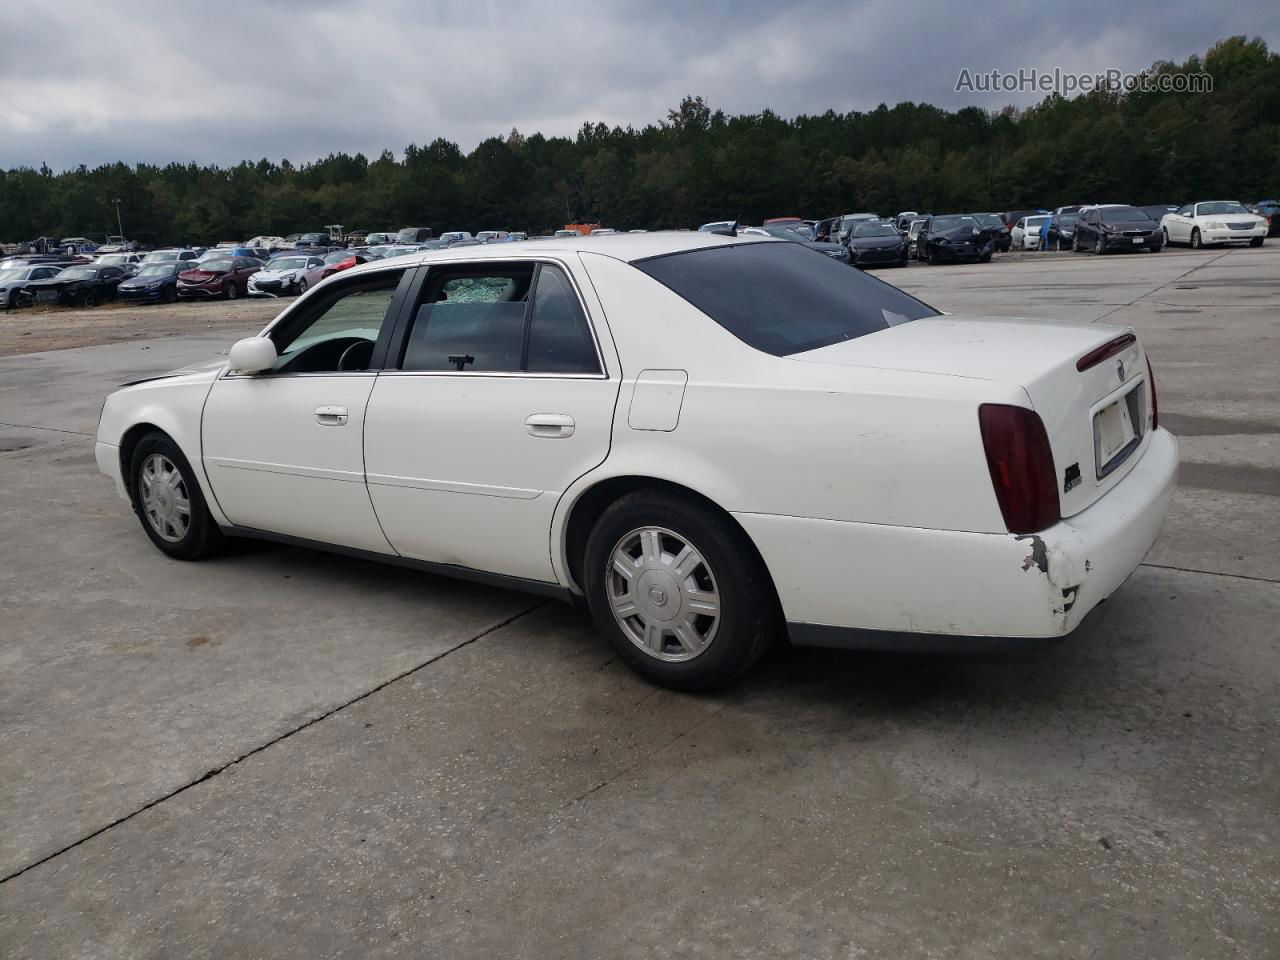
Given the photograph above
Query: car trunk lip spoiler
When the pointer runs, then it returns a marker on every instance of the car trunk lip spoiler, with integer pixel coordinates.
(1108, 349)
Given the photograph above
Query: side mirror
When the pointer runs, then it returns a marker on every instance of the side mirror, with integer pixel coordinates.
(253, 355)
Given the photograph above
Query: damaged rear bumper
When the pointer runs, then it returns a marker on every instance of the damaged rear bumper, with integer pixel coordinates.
(873, 586)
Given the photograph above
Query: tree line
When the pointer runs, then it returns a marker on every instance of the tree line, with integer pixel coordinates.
(700, 164)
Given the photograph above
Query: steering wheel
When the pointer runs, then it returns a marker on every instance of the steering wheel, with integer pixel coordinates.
(356, 356)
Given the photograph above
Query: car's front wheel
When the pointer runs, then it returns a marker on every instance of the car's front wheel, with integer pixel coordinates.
(678, 591)
(1256, 242)
(232, 291)
(168, 500)
(1196, 243)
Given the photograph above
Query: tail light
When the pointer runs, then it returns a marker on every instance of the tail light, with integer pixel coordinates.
(1151, 385)
(1021, 465)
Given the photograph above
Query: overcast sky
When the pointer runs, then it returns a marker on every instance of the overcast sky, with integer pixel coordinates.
(92, 82)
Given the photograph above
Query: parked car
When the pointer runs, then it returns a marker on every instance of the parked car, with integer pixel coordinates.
(876, 244)
(157, 256)
(1269, 210)
(80, 285)
(266, 242)
(221, 253)
(626, 480)
(1156, 211)
(496, 236)
(117, 244)
(603, 232)
(1213, 222)
(376, 239)
(414, 235)
(128, 262)
(902, 222)
(712, 227)
(1010, 217)
(220, 277)
(77, 245)
(1061, 232)
(442, 243)
(291, 273)
(153, 283)
(1000, 234)
(1108, 227)
(848, 220)
(795, 231)
(453, 235)
(954, 238)
(315, 242)
(14, 282)
(1025, 234)
(913, 236)
(338, 260)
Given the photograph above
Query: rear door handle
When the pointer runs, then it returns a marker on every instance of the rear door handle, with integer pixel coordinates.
(553, 426)
(331, 416)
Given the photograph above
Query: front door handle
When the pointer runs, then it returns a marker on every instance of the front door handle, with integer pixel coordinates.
(551, 426)
(331, 416)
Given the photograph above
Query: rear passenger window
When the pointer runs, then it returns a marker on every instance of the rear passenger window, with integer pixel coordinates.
(559, 339)
(470, 320)
(504, 318)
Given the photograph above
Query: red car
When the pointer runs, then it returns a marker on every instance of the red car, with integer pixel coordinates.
(225, 277)
(340, 260)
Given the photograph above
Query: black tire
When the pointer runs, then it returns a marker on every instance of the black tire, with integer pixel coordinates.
(170, 295)
(231, 291)
(931, 258)
(749, 618)
(202, 537)
(1164, 235)
(1196, 243)
(1256, 241)
(302, 286)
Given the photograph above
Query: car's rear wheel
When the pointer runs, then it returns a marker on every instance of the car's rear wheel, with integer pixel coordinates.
(1196, 243)
(168, 501)
(678, 591)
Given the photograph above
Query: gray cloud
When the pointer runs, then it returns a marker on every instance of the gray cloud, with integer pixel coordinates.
(88, 82)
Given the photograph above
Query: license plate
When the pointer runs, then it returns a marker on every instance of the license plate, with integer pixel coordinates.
(1112, 431)
(44, 295)
(1138, 239)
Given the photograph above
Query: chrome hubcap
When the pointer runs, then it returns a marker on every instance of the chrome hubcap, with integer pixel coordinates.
(663, 594)
(165, 500)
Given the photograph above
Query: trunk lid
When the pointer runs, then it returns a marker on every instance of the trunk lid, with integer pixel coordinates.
(1096, 418)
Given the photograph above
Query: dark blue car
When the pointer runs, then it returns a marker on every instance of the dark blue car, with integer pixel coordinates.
(155, 282)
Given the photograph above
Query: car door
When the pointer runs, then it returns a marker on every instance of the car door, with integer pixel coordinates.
(283, 449)
(502, 399)
(1180, 224)
(1019, 233)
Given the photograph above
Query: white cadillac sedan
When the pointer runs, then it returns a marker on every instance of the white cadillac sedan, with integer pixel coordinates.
(712, 441)
(1214, 222)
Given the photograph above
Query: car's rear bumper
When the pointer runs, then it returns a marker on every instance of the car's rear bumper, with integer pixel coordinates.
(836, 580)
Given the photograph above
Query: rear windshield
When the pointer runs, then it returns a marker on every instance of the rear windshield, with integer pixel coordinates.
(783, 298)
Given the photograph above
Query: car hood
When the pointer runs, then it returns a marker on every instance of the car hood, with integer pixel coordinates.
(1147, 225)
(277, 274)
(208, 370)
(54, 282)
(873, 242)
(960, 233)
(146, 281)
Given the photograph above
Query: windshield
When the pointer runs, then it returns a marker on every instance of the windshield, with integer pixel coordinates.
(78, 273)
(784, 231)
(783, 298)
(875, 230)
(943, 224)
(1123, 215)
(990, 220)
(158, 269)
(288, 263)
(113, 260)
(161, 255)
(13, 274)
(1218, 208)
(408, 234)
(216, 266)
(1036, 221)
(1067, 219)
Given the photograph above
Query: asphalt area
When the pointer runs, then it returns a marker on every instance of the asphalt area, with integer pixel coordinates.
(284, 753)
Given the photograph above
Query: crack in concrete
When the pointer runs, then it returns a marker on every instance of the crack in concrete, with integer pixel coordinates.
(32, 426)
(1211, 573)
(1144, 296)
(210, 774)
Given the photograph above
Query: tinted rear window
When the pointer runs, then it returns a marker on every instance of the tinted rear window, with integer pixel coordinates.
(783, 298)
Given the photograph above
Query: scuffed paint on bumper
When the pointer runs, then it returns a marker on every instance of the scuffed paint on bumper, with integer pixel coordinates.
(835, 576)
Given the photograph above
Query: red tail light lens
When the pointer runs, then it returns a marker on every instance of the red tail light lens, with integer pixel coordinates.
(1151, 385)
(1108, 349)
(1021, 465)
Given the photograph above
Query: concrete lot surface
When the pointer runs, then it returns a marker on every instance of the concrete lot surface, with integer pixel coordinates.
(284, 753)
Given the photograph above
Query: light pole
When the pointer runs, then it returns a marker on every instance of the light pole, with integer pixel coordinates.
(119, 224)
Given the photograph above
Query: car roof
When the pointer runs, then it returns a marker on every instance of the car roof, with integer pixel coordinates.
(628, 247)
